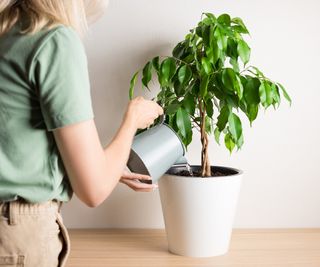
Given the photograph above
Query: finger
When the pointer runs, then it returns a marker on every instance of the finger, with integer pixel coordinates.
(136, 189)
(136, 185)
(160, 109)
(140, 185)
(133, 175)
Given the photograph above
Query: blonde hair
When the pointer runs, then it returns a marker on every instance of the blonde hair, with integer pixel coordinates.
(49, 13)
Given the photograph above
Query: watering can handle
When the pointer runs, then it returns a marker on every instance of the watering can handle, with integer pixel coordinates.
(162, 118)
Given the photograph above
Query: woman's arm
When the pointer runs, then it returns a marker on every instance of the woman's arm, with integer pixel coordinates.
(94, 171)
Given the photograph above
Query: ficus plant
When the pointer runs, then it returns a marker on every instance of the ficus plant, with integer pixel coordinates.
(207, 81)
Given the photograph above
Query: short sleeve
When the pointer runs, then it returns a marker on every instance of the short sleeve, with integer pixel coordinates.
(62, 80)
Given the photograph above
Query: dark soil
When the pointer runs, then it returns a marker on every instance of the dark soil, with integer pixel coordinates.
(198, 174)
(196, 171)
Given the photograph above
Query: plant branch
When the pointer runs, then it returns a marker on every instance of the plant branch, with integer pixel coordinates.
(194, 120)
(176, 59)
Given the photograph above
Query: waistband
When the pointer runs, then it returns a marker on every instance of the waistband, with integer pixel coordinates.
(21, 206)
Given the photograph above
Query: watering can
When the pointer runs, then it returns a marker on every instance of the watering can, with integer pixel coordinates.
(155, 150)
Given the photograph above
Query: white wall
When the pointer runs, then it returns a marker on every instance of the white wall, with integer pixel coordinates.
(280, 155)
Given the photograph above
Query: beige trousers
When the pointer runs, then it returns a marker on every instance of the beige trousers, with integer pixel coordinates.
(33, 235)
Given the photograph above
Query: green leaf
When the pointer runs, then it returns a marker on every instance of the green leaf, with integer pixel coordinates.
(173, 122)
(234, 64)
(252, 112)
(132, 84)
(206, 65)
(239, 29)
(183, 122)
(199, 31)
(224, 19)
(241, 26)
(226, 30)
(276, 94)
(209, 107)
(189, 103)
(229, 142)
(223, 118)
(179, 50)
(235, 126)
(161, 95)
(196, 87)
(179, 89)
(240, 142)
(244, 51)
(188, 36)
(262, 94)
(188, 139)
(239, 87)
(195, 53)
(172, 108)
(218, 92)
(265, 93)
(155, 63)
(217, 135)
(189, 57)
(232, 101)
(206, 32)
(146, 72)
(232, 50)
(213, 53)
(204, 86)
(229, 79)
(221, 39)
(285, 94)
(184, 74)
(211, 16)
(168, 69)
(251, 91)
(208, 125)
(207, 21)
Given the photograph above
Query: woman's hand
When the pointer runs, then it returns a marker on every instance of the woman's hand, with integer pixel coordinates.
(132, 180)
(142, 112)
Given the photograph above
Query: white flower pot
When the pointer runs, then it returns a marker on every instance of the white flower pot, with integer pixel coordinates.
(198, 212)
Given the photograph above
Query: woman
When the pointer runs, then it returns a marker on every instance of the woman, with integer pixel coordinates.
(49, 145)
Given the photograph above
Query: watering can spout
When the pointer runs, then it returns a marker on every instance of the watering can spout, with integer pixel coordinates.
(182, 161)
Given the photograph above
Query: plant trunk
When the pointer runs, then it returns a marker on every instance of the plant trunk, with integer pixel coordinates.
(205, 163)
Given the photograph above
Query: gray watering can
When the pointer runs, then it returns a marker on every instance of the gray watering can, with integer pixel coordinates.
(155, 150)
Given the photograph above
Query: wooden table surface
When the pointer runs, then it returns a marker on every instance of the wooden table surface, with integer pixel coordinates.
(148, 247)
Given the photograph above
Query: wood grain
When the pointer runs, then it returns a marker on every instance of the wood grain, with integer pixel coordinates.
(148, 247)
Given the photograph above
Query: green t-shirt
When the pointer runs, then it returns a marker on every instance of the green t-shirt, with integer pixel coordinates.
(44, 84)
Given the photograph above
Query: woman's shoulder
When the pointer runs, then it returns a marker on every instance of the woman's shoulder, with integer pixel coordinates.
(59, 44)
(60, 35)
(63, 32)
(29, 45)
(57, 41)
